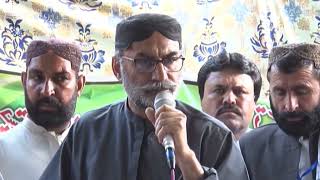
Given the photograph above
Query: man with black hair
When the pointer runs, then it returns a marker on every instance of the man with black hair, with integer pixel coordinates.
(122, 141)
(289, 148)
(229, 86)
(51, 84)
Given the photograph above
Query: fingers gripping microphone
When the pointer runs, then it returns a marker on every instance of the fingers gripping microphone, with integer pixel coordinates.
(166, 98)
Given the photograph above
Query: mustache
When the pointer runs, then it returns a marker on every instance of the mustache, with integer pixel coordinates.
(159, 86)
(49, 101)
(229, 108)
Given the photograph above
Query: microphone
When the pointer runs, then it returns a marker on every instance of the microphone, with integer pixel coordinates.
(167, 98)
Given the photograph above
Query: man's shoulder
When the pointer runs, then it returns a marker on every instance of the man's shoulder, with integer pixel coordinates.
(11, 140)
(199, 118)
(101, 113)
(262, 132)
(266, 135)
(6, 137)
(98, 118)
(265, 129)
(13, 133)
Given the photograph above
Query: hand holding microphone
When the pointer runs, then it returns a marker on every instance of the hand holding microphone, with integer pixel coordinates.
(169, 121)
(171, 129)
(166, 98)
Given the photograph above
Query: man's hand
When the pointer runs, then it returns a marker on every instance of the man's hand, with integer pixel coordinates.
(168, 120)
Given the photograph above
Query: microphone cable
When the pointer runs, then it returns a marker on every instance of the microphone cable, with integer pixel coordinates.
(172, 174)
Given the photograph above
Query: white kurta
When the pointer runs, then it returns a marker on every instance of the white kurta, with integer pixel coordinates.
(26, 150)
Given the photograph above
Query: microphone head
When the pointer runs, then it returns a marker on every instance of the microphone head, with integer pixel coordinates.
(164, 98)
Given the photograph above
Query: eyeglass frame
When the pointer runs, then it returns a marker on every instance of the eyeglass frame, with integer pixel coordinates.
(155, 63)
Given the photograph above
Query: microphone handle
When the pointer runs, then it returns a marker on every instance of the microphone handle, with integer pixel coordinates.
(169, 148)
(168, 142)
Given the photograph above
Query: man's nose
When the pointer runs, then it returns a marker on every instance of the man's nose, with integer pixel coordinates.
(47, 88)
(229, 98)
(291, 103)
(160, 72)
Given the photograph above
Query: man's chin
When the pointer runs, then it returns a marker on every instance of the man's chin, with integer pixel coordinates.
(144, 102)
(48, 119)
(49, 124)
(294, 127)
(295, 121)
(235, 125)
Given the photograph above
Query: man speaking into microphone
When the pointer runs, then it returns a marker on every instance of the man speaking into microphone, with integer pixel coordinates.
(125, 140)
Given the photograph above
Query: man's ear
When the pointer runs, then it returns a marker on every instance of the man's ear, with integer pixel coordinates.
(116, 67)
(24, 79)
(80, 83)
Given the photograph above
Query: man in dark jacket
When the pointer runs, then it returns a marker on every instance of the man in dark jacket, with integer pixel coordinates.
(122, 140)
(289, 148)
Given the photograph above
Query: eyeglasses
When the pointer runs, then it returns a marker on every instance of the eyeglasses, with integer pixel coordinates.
(172, 64)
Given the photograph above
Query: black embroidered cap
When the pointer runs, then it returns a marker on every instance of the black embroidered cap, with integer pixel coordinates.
(142, 26)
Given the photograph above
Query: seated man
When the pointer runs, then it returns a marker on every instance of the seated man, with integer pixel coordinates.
(229, 86)
(121, 141)
(288, 149)
(51, 85)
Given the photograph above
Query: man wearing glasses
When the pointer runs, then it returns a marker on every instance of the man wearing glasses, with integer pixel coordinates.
(289, 148)
(121, 141)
